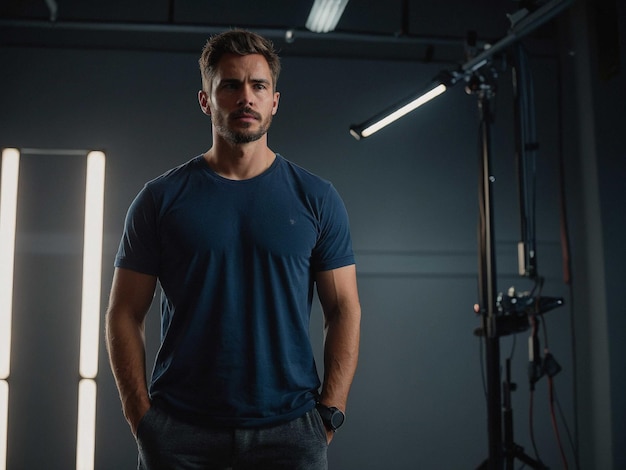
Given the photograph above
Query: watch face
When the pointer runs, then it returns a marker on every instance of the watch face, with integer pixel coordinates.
(333, 417)
(336, 419)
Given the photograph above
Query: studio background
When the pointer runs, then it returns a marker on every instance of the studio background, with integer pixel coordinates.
(418, 399)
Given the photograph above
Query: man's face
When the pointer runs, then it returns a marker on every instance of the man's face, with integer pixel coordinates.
(242, 100)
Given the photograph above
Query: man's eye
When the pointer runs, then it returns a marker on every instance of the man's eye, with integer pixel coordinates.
(229, 86)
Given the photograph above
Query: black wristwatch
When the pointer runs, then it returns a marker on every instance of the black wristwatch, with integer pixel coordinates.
(332, 417)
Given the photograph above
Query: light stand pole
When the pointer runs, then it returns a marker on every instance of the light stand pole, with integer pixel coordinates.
(487, 277)
(502, 449)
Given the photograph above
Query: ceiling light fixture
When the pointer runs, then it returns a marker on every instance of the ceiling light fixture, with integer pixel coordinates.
(325, 15)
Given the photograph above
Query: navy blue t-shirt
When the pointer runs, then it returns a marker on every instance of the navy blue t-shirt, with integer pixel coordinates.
(235, 261)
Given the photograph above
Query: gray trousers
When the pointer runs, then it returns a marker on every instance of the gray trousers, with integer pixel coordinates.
(165, 443)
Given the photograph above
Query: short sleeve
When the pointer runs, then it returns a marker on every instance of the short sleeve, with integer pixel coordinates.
(139, 246)
(334, 245)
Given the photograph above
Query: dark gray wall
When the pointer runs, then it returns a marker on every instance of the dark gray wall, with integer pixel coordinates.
(594, 54)
(418, 399)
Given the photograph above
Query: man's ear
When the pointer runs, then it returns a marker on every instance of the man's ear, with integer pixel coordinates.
(203, 99)
(275, 105)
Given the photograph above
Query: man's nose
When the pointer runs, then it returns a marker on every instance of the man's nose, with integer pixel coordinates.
(246, 97)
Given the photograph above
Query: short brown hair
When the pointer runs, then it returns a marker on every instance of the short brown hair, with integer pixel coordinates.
(240, 42)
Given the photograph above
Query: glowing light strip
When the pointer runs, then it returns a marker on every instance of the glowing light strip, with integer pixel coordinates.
(92, 266)
(8, 216)
(4, 421)
(86, 429)
(90, 311)
(404, 110)
(325, 15)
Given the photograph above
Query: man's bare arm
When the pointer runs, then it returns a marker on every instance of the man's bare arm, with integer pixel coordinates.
(130, 299)
(338, 293)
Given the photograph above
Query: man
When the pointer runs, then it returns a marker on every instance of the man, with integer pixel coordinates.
(237, 238)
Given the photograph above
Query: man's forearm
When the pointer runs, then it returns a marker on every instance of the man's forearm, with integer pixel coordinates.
(341, 350)
(126, 348)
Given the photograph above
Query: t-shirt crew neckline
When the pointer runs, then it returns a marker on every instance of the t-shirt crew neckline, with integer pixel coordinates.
(205, 166)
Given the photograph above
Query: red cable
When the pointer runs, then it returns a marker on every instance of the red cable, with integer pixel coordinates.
(554, 423)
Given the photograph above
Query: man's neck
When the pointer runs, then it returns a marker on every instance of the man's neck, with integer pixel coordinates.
(241, 161)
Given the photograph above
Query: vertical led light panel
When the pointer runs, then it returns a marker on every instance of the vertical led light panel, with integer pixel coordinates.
(90, 311)
(8, 215)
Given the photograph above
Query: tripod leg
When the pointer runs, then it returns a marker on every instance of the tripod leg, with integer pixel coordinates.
(532, 463)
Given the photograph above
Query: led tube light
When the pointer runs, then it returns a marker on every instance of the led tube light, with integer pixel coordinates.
(86, 429)
(4, 421)
(325, 15)
(394, 113)
(92, 266)
(8, 217)
(522, 27)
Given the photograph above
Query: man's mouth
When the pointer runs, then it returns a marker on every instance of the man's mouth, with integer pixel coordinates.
(246, 115)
